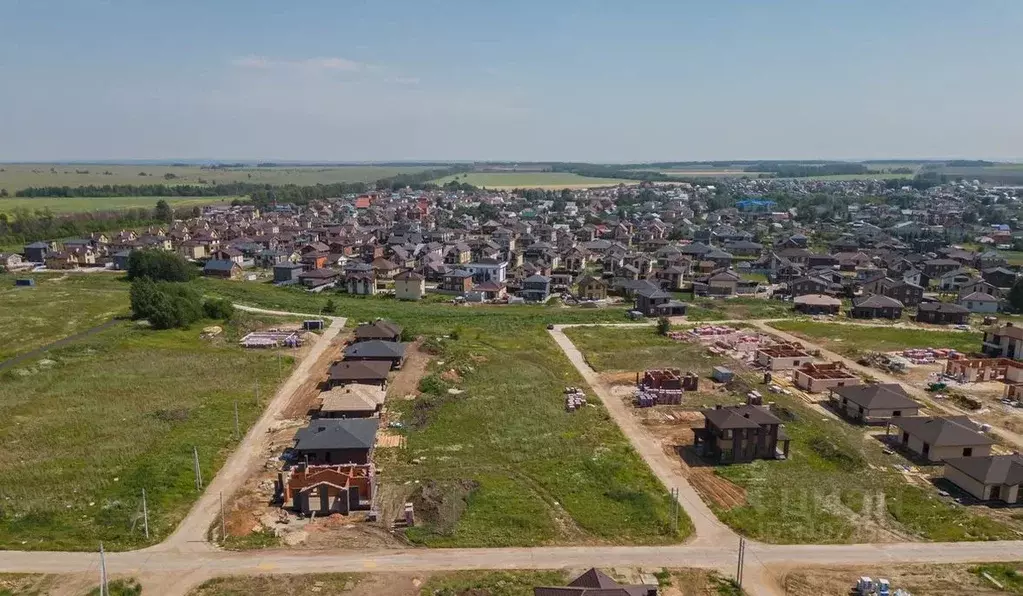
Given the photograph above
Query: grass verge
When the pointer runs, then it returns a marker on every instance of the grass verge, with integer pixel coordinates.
(852, 340)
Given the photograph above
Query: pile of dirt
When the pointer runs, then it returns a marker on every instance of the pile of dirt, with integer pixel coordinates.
(440, 504)
(451, 376)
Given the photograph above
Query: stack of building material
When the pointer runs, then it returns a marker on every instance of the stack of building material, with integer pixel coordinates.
(574, 399)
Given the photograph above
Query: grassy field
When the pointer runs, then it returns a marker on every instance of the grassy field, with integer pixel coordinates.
(530, 473)
(509, 180)
(24, 584)
(610, 349)
(14, 177)
(58, 306)
(852, 340)
(64, 205)
(87, 428)
(711, 309)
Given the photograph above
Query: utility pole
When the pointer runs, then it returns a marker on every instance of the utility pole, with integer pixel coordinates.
(145, 514)
(742, 561)
(223, 524)
(103, 589)
(237, 428)
(198, 472)
(257, 394)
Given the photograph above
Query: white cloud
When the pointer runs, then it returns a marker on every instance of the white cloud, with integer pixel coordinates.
(336, 64)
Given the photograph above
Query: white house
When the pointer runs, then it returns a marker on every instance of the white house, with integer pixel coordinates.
(488, 270)
(409, 286)
(981, 302)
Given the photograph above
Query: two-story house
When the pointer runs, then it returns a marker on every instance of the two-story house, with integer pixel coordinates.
(734, 434)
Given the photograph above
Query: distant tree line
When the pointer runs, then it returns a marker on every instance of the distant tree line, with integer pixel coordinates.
(23, 225)
(805, 170)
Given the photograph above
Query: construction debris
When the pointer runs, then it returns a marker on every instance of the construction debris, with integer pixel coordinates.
(272, 339)
(574, 399)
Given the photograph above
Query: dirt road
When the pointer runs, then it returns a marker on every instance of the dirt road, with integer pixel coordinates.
(190, 535)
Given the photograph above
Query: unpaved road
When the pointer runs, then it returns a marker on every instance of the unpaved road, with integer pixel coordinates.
(190, 535)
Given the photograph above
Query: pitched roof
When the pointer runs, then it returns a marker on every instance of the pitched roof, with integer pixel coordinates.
(378, 330)
(946, 307)
(376, 349)
(979, 297)
(220, 265)
(876, 301)
(359, 370)
(881, 396)
(739, 417)
(325, 433)
(949, 431)
(991, 469)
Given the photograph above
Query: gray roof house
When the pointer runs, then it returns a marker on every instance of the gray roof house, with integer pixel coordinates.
(389, 351)
(337, 441)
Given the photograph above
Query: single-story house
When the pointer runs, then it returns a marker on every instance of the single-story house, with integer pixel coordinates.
(937, 438)
(876, 402)
(351, 401)
(942, 313)
(383, 351)
(815, 378)
(222, 268)
(817, 304)
(596, 583)
(980, 302)
(876, 306)
(337, 441)
(287, 272)
(366, 372)
(988, 478)
(380, 329)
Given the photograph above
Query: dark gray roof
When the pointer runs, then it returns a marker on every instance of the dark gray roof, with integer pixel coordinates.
(946, 307)
(360, 370)
(739, 417)
(878, 396)
(376, 349)
(220, 265)
(876, 301)
(651, 293)
(536, 279)
(378, 330)
(324, 433)
(991, 469)
(950, 431)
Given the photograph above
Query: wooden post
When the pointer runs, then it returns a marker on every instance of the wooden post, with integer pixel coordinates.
(237, 427)
(145, 514)
(198, 472)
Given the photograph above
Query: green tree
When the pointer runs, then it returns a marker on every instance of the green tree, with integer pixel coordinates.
(143, 298)
(218, 308)
(163, 211)
(663, 326)
(159, 265)
(330, 308)
(165, 305)
(1016, 296)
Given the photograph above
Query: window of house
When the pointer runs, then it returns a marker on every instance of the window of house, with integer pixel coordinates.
(968, 452)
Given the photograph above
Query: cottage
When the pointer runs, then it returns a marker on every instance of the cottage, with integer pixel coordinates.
(808, 285)
(1004, 342)
(820, 377)
(384, 351)
(942, 313)
(351, 401)
(409, 286)
(878, 402)
(378, 330)
(591, 288)
(319, 277)
(365, 372)
(10, 262)
(536, 288)
(457, 280)
(36, 252)
(988, 478)
(733, 434)
(876, 306)
(337, 441)
(361, 283)
(595, 583)
(287, 273)
(817, 304)
(938, 438)
(224, 269)
(979, 302)
(654, 302)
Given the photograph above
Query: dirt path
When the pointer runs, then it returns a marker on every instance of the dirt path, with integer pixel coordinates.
(190, 535)
(406, 380)
(60, 342)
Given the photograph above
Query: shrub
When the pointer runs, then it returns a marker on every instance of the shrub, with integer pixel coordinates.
(218, 309)
(330, 308)
(165, 305)
(663, 326)
(844, 457)
(159, 265)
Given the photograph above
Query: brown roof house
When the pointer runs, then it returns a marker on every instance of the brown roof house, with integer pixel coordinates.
(876, 306)
(380, 329)
(988, 478)
(938, 438)
(591, 288)
(878, 402)
(817, 304)
(942, 313)
(365, 372)
(740, 434)
(595, 583)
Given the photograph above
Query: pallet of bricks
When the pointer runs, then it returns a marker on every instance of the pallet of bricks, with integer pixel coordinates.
(574, 399)
(664, 386)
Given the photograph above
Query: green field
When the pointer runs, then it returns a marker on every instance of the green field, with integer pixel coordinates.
(531, 473)
(622, 349)
(64, 205)
(89, 425)
(14, 177)
(852, 340)
(531, 180)
(57, 307)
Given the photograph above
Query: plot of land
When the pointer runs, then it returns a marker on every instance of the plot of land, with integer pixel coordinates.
(932, 580)
(62, 205)
(500, 180)
(58, 306)
(14, 177)
(852, 340)
(637, 349)
(89, 425)
(501, 463)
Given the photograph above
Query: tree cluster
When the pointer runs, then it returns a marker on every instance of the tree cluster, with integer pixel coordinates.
(159, 265)
(167, 305)
(24, 225)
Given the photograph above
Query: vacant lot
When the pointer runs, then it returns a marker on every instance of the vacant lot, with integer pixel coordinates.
(531, 180)
(636, 349)
(932, 580)
(89, 426)
(499, 462)
(16, 177)
(677, 582)
(711, 309)
(62, 205)
(58, 306)
(852, 340)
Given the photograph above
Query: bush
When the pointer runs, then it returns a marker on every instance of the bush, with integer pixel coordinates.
(663, 326)
(844, 457)
(159, 265)
(165, 305)
(330, 308)
(218, 309)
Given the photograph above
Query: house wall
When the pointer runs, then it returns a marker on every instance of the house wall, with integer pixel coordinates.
(941, 453)
(970, 485)
(776, 363)
(981, 307)
(807, 383)
(335, 456)
(409, 290)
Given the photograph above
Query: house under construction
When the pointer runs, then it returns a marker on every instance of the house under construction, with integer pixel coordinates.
(816, 378)
(322, 490)
(782, 356)
(979, 370)
(664, 386)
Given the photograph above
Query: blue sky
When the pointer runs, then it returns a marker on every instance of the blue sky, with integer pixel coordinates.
(585, 80)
